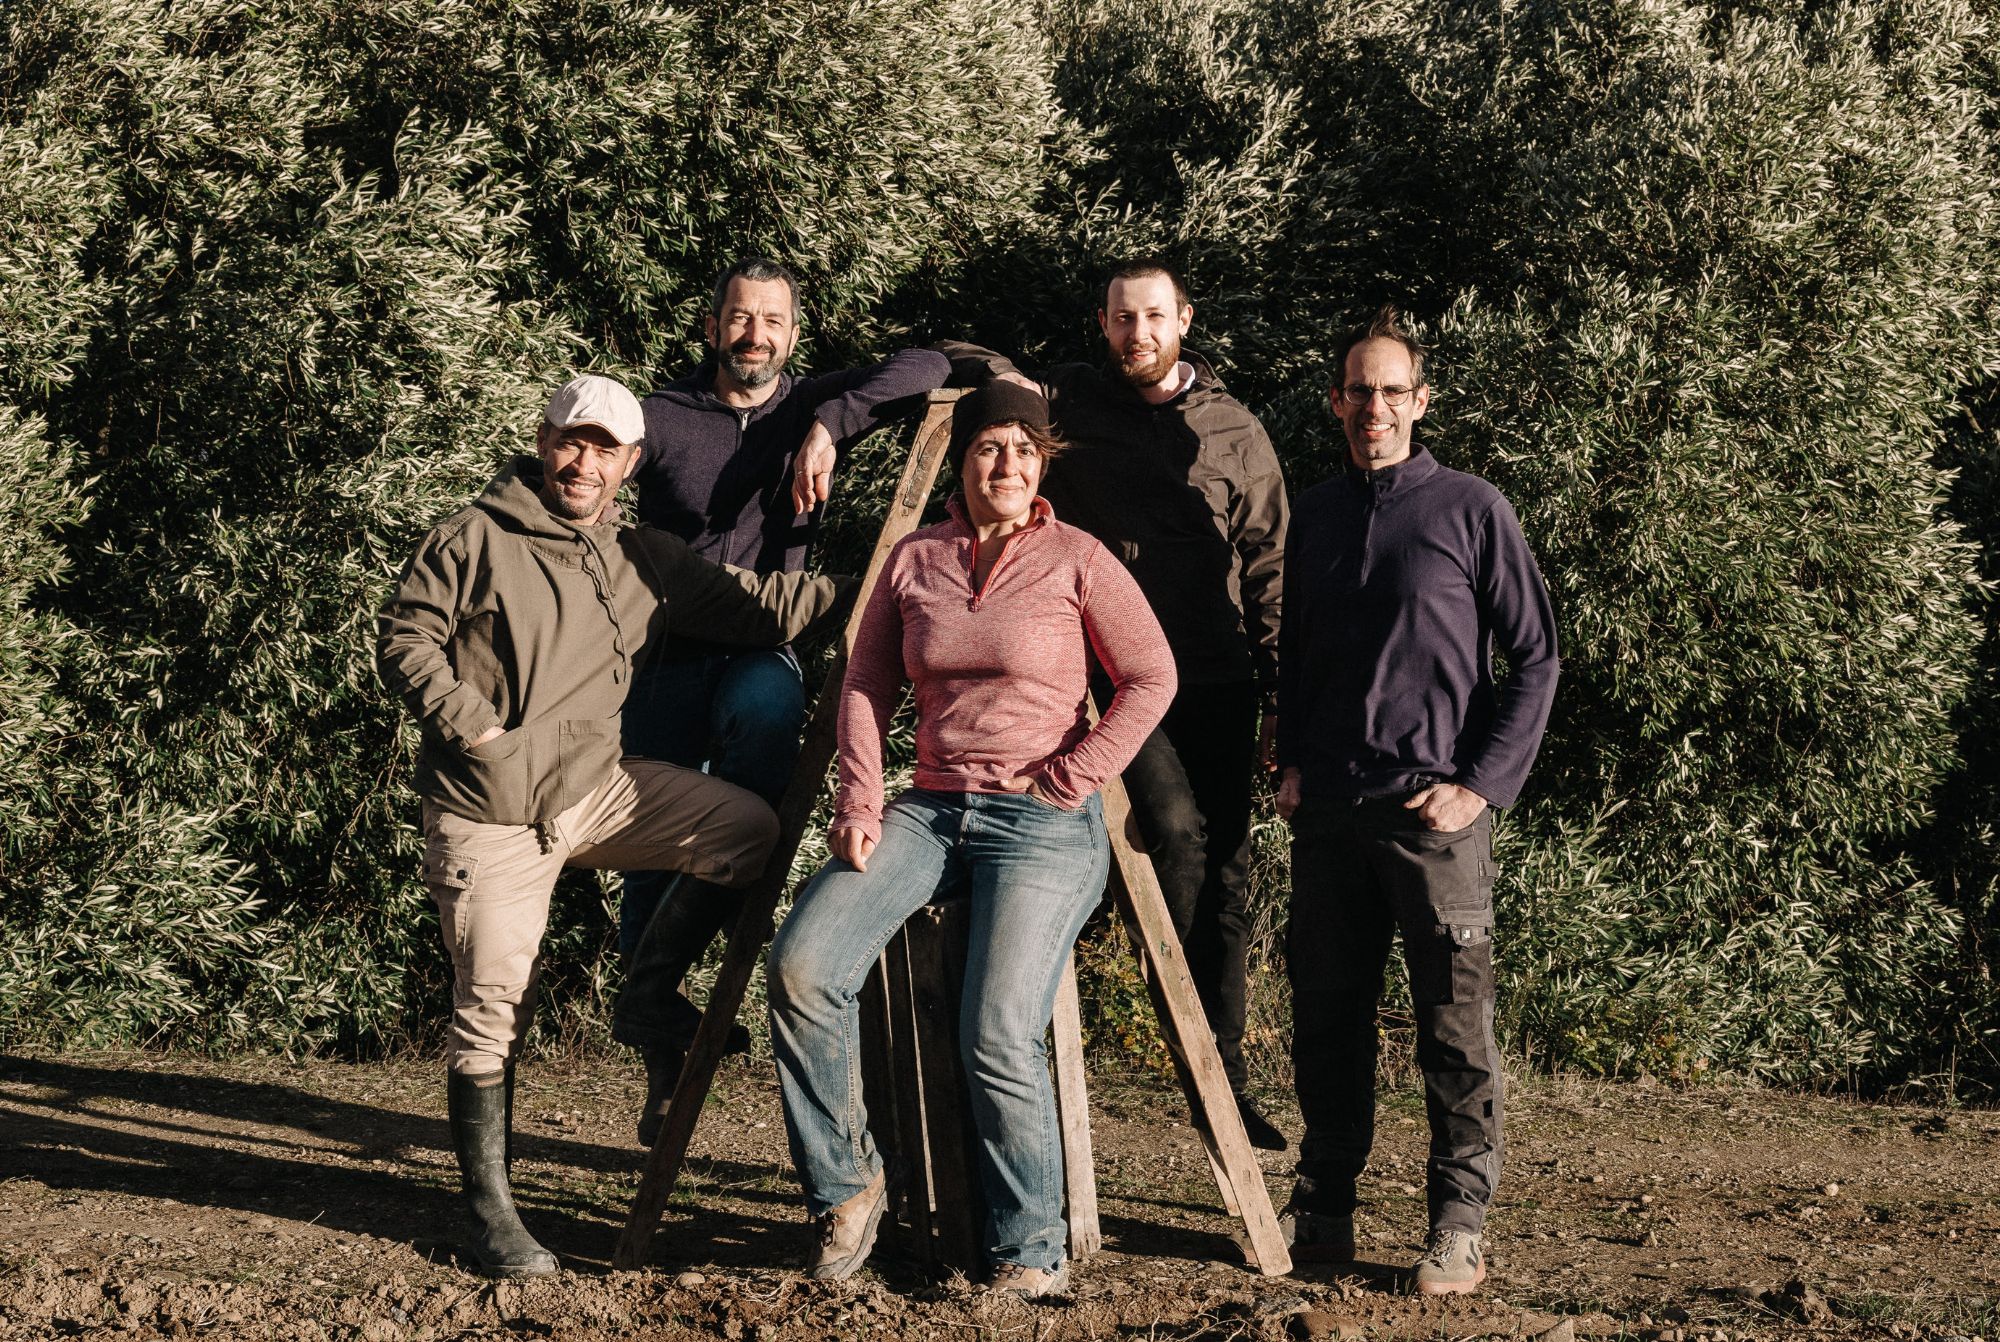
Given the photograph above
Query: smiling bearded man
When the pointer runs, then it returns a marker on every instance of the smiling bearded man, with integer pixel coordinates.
(511, 638)
(736, 458)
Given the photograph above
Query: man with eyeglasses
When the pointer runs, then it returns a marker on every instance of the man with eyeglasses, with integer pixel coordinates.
(1178, 479)
(511, 638)
(1395, 743)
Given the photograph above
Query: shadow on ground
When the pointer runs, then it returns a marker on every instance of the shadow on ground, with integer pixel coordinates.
(295, 1154)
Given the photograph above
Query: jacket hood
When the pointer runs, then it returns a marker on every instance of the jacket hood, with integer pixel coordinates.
(514, 498)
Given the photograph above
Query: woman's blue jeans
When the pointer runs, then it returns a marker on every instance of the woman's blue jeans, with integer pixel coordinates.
(1033, 872)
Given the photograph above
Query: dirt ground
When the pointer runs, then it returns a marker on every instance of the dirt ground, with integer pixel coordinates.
(161, 1196)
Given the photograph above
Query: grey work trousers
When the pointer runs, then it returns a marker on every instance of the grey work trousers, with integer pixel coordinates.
(1361, 872)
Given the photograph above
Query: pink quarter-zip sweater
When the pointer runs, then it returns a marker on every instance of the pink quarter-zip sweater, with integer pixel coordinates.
(1000, 672)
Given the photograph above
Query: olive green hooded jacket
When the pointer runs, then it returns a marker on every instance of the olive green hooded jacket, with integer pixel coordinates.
(509, 616)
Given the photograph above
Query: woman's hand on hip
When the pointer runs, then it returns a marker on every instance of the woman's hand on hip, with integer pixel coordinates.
(1032, 785)
(851, 846)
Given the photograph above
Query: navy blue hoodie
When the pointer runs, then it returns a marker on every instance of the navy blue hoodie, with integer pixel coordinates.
(1400, 584)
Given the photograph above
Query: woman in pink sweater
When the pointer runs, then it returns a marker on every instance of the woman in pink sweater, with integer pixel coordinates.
(996, 617)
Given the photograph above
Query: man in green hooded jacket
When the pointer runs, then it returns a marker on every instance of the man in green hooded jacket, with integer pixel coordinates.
(511, 638)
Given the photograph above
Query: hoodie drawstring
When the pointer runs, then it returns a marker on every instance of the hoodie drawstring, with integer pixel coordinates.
(600, 583)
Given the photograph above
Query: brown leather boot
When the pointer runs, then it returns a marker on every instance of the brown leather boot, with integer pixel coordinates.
(847, 1233)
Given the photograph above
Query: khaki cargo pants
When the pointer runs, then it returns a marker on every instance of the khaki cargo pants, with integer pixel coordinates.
(492, 883)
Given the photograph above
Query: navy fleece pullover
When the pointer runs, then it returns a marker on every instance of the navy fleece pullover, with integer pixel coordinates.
(1400, 584)
(721, 478)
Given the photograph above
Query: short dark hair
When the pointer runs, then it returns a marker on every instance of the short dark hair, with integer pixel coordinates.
(1138, 268)
(1386, 324)
(758, 270)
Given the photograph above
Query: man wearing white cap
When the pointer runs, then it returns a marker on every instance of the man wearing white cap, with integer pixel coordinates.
(511, 638)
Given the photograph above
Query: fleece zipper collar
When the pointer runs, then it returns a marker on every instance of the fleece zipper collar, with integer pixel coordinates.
(1041, 514)
(1397, 480)
(696, 391)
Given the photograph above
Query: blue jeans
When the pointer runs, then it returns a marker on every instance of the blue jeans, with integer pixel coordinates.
(1034, 873)
(738, 715)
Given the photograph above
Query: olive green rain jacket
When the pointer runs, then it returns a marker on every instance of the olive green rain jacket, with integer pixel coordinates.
(509, 616)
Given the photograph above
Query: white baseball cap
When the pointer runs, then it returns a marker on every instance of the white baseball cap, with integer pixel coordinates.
(591, 399)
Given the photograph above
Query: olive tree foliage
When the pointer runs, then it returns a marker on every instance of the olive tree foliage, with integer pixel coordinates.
(1181, 139)
(1962, 842)
(101, 897)
(1704, 287)
(1740, 272)
(327, 263)
(873, 146)
(283, 370)
(1711, 291)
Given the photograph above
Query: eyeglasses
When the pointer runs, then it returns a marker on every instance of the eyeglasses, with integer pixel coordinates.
(1360, 393)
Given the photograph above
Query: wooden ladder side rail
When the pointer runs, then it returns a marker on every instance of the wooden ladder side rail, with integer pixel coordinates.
(754, 924)
(1164, 968)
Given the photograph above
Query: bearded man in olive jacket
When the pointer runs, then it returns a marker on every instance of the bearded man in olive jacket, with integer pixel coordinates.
(511, 638)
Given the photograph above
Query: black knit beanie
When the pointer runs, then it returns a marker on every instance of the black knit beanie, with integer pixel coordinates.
(995, 403)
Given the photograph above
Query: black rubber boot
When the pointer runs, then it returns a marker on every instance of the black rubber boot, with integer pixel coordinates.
(479, 1133)
(509, 1167)
(663, 1069)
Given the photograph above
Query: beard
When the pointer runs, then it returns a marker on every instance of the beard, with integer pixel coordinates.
(570, 509)
(1152, 367)
(752, 374)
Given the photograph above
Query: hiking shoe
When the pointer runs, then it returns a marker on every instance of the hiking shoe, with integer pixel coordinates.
(847, 1233)
(1262, 1133)
(1029, 1283)
(1453, 1264)
(1317, 1237)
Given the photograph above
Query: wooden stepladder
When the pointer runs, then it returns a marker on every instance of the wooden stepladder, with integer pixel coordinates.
(1238, 1178)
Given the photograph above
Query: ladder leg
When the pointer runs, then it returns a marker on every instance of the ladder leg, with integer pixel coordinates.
(753, 925)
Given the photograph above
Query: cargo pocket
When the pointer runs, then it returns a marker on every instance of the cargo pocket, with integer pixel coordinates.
(450, 874)
(1455, 869)
(450, 870)
(1453, 963)
(1473, 959)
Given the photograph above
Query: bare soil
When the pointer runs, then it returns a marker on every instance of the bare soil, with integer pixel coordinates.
(160, 1196)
